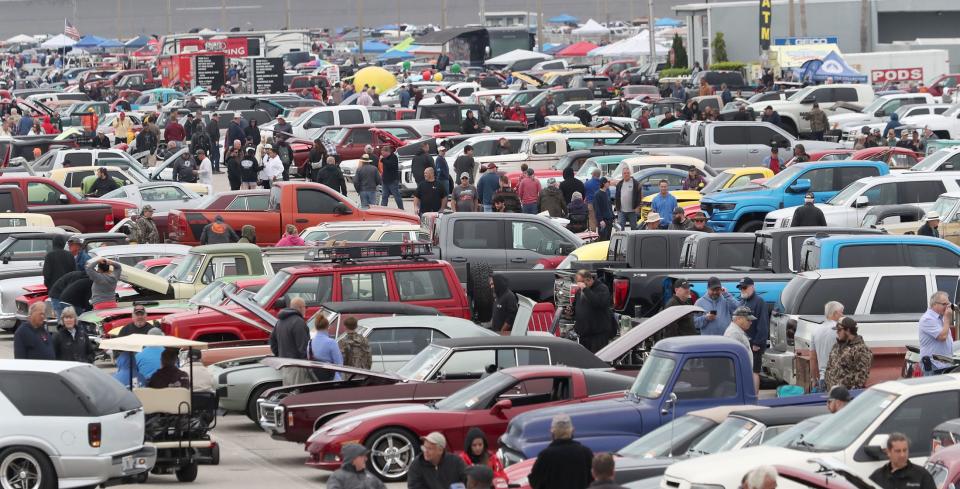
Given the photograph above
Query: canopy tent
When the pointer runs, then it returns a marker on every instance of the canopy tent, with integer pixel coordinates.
(638, 45)
(89, 41)
(138, 42)
(395, 56)
(388, 27)
(516, 55)
(667, 22)
(577, 49)
(831, 67)
(373, 47)
(563, 19)
(59, 41)
(110, 44)
(591, 28)
(21, 39)
(551, 48)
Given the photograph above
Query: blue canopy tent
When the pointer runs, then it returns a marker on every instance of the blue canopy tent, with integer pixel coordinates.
(831, 67)
(667, 22)
(388, 27)
(137, 42)
(373, 47)
(552, 48)
(563, 19)
(395, 56)
(110, 44)
(89, 41)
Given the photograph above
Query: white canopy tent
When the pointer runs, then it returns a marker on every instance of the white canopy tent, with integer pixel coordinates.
(21, 39)
(516, 55)
(591, 28)
(638, 45)
(59, 41)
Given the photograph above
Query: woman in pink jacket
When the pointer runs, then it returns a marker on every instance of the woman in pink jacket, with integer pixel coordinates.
(291, 237)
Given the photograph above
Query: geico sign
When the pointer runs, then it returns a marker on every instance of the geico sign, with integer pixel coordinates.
(896, 75)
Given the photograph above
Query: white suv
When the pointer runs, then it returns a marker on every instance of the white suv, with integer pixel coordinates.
(66, 424)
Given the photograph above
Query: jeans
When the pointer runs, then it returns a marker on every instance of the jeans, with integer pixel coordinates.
(487, 207)
(215, 157)
(367, 198)
(394, 190)
(529, 208)
(627, 217)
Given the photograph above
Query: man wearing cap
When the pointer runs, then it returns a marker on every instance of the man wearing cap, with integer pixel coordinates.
(773, 161)
(122, 126)
(218, 232)
(272, 167)
(435, 468)
(366, 180)
(652, 222)
(850, 359)
(719, 305)
(838, 398)
(736, 329)
(759, 331)
(551, 199)
(429, 197)
(700, 222)
(283, 126)
(174, 132)
(144, 228)
(936, 337)
(235, 130)
(353, 474)
(684, 326)
(75, 245)
(664, 203)
(139, 325)
(100, 140)
(931, 225)
(487, 185)
(808, 214)
(528, 190)
(565, 463)
(629, 195)
(465, 198)
(680, 221)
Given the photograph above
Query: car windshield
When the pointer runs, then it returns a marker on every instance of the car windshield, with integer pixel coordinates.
(168, 270)
(270, 289)
(793, 433)
(875, 105)
(476, 396)
(939, 472)
(717, 183)
(932, 162)
(842, 428)
(660, 442)
(943, 206)
(653, 377)
(802, 94)
(187, 270)
(724, 437)
(211, 294)
(783, 177)
(846, 194)
(420, 366)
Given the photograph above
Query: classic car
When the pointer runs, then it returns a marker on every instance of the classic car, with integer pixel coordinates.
(392, 432)
(294, 412)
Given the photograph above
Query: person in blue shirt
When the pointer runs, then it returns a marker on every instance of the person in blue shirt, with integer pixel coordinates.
(323, 348)
(604, 211)
(76, 248)
(664, 203)
(487, 185)
(443, 170)
(719, 305)
(591, 187)
(405, 96)
(148, 360)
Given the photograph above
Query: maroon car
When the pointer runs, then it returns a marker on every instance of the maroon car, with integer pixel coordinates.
(294, 412)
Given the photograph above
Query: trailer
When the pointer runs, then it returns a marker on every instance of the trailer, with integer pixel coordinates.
(896, 67)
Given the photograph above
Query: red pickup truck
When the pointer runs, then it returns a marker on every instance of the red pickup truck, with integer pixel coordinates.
(302, 204)
(67, 209)
(380, 276)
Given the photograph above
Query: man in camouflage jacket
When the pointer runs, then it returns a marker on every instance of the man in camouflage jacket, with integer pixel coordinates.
(354, 347)
(850, 359)
(144, 229)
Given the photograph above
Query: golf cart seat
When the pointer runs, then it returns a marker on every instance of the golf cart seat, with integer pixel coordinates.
(172, 400)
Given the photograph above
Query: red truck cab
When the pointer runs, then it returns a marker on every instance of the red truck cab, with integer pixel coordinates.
(937, 86)
(69, 210)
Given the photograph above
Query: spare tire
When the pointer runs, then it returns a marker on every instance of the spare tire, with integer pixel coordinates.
(481, 297)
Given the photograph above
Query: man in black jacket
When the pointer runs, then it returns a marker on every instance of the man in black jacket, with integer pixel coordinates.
(435, 468)
(505, 305)
(565, 463)
(808, 214)
(103, 184)
(331, 176)
(390, 166)
(75, 289)
(290, 338)
(681, 297)
(899, 472)
(421, 162)
(57, 263)
(931, 227)
(593, 319)
(213, 132)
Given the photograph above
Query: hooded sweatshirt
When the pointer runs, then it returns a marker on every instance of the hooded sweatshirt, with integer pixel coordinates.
(57, 263)
(217, 232)
(248, 234)
(290, 336)
(347, 476)
(894, 123)
(571, 184)
(488, 458)
(505, 306)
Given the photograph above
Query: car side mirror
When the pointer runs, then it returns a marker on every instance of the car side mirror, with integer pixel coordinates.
(5, 258)
(669, 404)
(501, 406)
(63, 199)
(874, 447)
(861, 201)
(880, 113)
(341, 209)
(809, 100)
(800, 186)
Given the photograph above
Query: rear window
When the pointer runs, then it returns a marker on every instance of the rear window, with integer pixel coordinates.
(731, 254)
(900, 295)
(478, 234)
(42, 394)
(869, 256)
(422, 285)
(101, 391)
(846, 291)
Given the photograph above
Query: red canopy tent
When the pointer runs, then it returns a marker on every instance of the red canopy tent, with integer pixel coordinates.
(577, 49)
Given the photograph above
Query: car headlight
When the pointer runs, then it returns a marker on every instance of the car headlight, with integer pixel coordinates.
(724, 207)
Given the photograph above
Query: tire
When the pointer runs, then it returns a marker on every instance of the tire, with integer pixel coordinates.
(215, 455)
(392, 450)
(15, 461)
(481, 300)
(750, 226)
(187, 473)
(143, 476)
(252, 403)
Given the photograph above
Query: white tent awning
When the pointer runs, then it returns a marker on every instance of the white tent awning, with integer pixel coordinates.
(21, 39)
(516, 55)
(58, 42)
(638, 45)
(591, 28)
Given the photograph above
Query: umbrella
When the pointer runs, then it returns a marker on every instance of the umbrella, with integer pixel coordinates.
(578, 49)
(138, 42)
(89, 41)
(110, 44)
(21, 39)
(563, 19)
(59, 41)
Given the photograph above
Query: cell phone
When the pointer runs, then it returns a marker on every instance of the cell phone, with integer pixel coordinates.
(714, 312)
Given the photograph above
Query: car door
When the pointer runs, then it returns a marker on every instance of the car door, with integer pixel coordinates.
(528, 241)
(524, 395)
(353, 143)
(758, 143)
(315, 206)
(701, 382)
(428, 288)
(476, 241)
(915, 417)
(895, 294)
(729, 146)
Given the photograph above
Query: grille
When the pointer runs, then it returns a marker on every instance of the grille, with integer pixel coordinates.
(22, 308)
(769, 222)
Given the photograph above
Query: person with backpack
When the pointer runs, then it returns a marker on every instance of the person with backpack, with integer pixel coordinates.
(199, 139)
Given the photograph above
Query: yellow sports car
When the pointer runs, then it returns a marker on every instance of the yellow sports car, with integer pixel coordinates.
(80, 178)
(736, 177)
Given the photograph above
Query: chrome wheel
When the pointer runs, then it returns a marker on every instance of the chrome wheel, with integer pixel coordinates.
(20, 470)
(391, 453)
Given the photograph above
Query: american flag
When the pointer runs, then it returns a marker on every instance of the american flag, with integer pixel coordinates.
(70, 31)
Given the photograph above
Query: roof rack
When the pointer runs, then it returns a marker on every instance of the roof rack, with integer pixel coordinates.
(406, 251)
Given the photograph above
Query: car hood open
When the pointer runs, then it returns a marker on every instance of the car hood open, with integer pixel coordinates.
(280, 363)
(619, 347)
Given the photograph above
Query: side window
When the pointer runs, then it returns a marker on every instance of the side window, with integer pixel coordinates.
(948, 284)
(884, 194)
(320, 119)
(916, 192)
(131, 260)
(484, 148)
(477, 234)
(854, 256)
(822, 95)
(653, 252)
(421, 285)
(352, 116)
(399, 341)
(763, 135)
(250, 203)
(848, 175)
(729, 135)
(918, 416)
(364, 287)
(902, 161)
(313, 290)
(39, 193)
(468, 364)
(224, 266)
(530, 392)
(846, 291)
(706, 378)
(161, 194)
(742, 180)
(78, 159)
(732, 254)
(379, 115)
(928, 256)
(536, 237)
(821, 179)
(394, 237)
(532, 356)
(359, 136)
(310, 201)
(844, 94)
(41, 394)
(900, 295)
(545, 148)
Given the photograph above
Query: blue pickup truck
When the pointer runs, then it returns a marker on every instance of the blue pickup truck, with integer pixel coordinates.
(682, 374)
(895, 250)
(743, 209)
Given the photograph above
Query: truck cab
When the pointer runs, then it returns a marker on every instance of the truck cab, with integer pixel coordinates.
(793, 111)
(890, 250)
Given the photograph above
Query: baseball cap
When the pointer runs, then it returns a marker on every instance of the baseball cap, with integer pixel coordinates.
(146, 208)
(809, 196)
(682, 283)
(436, 438)
(73, 239)
(744, 311)
(551, 181)
(744, 282)
(464, 175)
(491, 166)
(365, 158)
(350, 451)
(839, 393)
(713, 283)
(678, 210)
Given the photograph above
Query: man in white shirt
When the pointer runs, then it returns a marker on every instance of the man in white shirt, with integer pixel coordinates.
(272, 167)
(823, 339)
(205, 169)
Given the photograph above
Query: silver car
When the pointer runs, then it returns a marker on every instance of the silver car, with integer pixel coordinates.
(162, 196)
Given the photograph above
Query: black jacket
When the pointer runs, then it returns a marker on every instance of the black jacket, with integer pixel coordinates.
(470, 126)
(56, 290)
(77, 292)
(564, 464)
(332, 176)
(102, 186)
(505, 306)
(73, 348)
(424, 475)
(910, 477)
(420, 163)
(593, 319)
(571, 184)
(391, 169)
(57, 262)
(510, 198)
(924, 230)
(290, 336)
(808, 215)
(636, 199)
(683, 326)
(463, 163)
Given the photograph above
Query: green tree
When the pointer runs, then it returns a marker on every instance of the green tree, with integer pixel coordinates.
(679, 52)
(719, 48)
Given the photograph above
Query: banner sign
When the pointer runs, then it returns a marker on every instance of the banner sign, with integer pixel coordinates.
(799, 41)
(896, 75)
(766, 13)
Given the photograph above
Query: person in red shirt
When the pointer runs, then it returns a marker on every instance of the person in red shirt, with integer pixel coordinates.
(644, 119)
(529, 192)
(174, 131)
(773, 161)
(477, 452)
(516, 113)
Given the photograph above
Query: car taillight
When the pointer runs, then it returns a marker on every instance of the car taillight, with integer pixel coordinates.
(108, 221)
(93, 434)
(436, 128)
(621, 288)
(290, 418)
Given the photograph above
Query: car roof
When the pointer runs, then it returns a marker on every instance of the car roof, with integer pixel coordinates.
(139, 249)
(225, 247)
(861, 271)
(361, 225)
(368, 307)
(785, 415)
(416, 321)
(821, 229)
(879, 238)
(720, 413)
(911, 176)
(694, 344)
(50, 366)
(562, 351)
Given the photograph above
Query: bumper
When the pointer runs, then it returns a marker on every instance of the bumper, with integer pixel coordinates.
(271, 418)
(87, 471)
(8, 321)
(780, 365)
(325, 456)
(722, 226)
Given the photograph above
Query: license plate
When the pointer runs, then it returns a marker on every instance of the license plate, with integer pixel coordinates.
(126, 463)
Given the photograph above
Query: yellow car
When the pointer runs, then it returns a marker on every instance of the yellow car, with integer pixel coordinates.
(19, 220)
(736, 177)
(79, 178)
(685, 198)
(595, 251)
(572, 128)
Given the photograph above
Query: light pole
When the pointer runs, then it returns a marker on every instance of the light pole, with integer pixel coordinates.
(288, 14)
(223, 15)
(169, 17)
(653, 44)
(119, 19)
(540, 25)
(360, 24)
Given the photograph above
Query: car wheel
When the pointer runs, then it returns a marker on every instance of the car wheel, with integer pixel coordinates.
(143, 476)
(481, 299)
(215, 455)
(187, 473)
(26, 468)
(392, 450)
(252, 403)
(750, 226)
